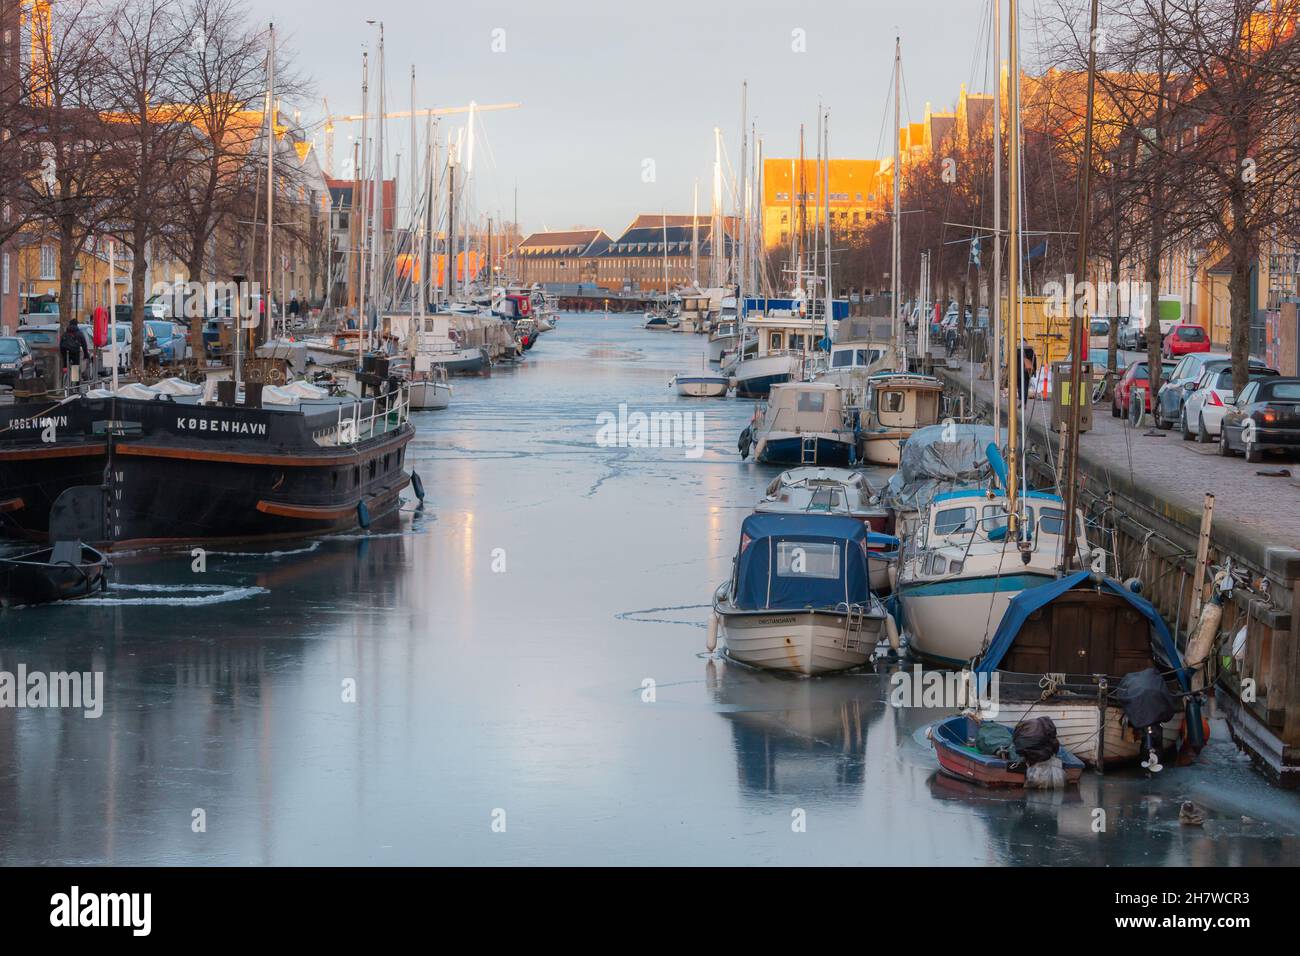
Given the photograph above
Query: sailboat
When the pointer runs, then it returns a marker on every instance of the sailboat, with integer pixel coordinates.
(976, 550)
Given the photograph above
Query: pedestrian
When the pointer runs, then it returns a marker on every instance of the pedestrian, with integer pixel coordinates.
(71, 347)
(294, 308)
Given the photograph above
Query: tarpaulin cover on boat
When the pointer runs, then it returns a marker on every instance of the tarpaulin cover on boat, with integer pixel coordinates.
(938, 458)
(788, 562)
(1026, 602)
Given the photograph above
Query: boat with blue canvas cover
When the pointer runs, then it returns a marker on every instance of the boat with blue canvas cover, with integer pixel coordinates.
(799, 598)
(1098, 660)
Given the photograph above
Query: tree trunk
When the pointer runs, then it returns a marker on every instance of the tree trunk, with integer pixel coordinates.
(195, 316)
(138, 266)
(1239, 311)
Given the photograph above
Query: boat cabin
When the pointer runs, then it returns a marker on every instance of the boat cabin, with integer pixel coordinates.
(805, 407)
(791, 562)
(900, 400)
(957, 517)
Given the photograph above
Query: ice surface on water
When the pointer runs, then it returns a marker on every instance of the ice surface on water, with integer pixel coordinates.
(536, 647)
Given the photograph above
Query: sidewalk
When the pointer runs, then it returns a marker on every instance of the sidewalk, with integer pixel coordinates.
(1170, 476)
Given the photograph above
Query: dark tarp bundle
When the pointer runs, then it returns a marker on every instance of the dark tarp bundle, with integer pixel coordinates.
(995, 740)
(762, 584)
(1145, 698)
(936, 459)
(1035, 739)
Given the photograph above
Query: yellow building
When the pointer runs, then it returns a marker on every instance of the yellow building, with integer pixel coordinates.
(790, 196)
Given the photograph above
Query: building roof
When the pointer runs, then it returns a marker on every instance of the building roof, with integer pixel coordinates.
(572, 242)
(649, 240)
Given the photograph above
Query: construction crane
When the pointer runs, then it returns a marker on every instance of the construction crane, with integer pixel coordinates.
(401, 114)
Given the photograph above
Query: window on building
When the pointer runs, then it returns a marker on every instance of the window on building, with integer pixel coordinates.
(47, 262)
(4, 273)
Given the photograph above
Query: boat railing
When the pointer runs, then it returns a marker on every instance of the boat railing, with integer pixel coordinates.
(366, 418)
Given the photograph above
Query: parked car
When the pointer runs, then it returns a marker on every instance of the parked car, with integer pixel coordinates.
(17, 363)
(1139, 373)
(172, 339)
(1098, 334)
(1209, 400)
(1184, 338)
(1265, 417)
(124, 339)
(1132, 335)
(1188, 371)
(43, 340)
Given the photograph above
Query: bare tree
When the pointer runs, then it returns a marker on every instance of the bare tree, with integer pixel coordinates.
(70, 189)
(153, 131)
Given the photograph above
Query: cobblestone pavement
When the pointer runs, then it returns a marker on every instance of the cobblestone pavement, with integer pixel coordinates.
(1182, 472)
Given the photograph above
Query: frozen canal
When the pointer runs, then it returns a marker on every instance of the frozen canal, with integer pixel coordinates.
(471, 684)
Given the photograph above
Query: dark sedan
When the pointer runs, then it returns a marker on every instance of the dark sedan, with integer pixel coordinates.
(1265, 417)
(16, 361)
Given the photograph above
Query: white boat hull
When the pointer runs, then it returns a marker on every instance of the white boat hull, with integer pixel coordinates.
(756, 376)
(701, 386)
(951, 628)
(724, 343)
(799, 642)
(430, 396)
(883, 448)
(1076, 728)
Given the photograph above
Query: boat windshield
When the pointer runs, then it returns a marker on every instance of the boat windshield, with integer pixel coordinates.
(808, 559)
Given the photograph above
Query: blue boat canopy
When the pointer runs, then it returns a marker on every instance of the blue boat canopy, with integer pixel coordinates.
(791, 562)
(1026, 602)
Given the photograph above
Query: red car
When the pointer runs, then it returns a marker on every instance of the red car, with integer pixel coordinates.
(1183, 338)
(1136, 374)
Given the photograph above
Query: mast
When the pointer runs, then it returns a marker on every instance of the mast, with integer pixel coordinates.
(665, 220)
(270, 170)
(377, 243)
(361, 199)
(1014, 369)
(997, 223)
(742, 252)
(695, 236)
(715, 231)
(895, 259)
(451, 219)
(828, 300)
(1078, 334)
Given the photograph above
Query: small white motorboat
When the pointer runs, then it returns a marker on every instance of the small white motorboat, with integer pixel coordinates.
(799, 598)
(658, 322)
(701, 384)
(803, 423)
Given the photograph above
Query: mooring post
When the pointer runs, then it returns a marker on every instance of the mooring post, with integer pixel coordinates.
(1202, 558)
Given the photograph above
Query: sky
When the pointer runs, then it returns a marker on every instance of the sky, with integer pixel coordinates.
(607, 86)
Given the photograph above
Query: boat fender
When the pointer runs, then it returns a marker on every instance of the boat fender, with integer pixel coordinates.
(417, 484)
(1134, 585)
(891, 630)
(711, 640)
(1198, 648)
(363, 514)
(745, 442)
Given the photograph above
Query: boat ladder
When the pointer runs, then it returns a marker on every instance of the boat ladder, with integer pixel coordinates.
(855, 616)
(809, 450)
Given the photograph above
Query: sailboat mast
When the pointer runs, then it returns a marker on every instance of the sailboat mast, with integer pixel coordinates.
(743, 211)
(270, 170)
(715, 231)
(361, 198)
(665, 221)
(997, 222)
(829, 299)
(451, 219)
(895, 258)
(695, 236)
(1014, 368)
(377, 243)
(1078, 335)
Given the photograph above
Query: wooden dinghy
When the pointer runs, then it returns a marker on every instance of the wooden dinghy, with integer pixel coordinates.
(953, 741)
